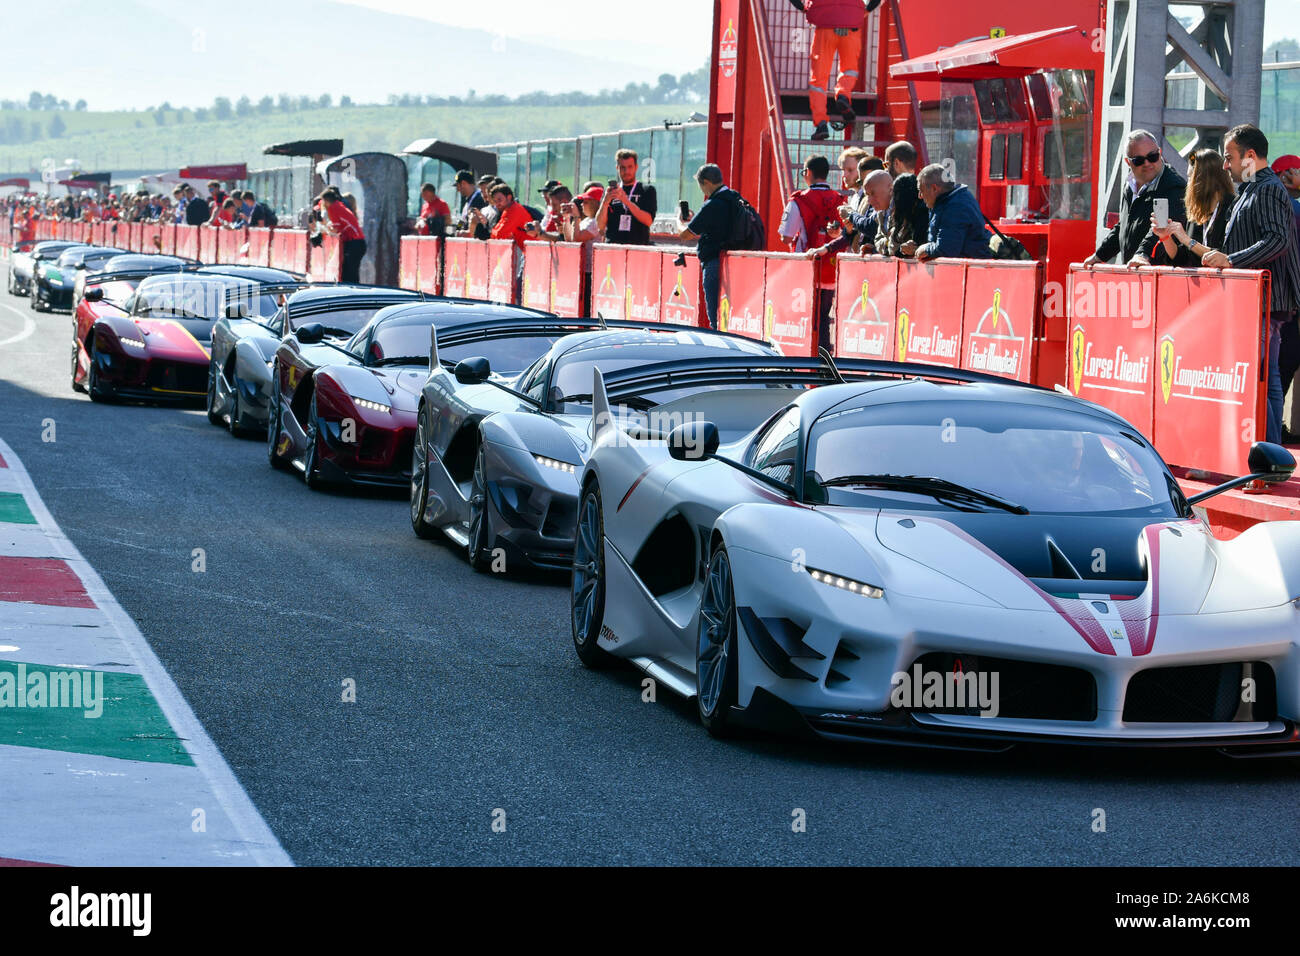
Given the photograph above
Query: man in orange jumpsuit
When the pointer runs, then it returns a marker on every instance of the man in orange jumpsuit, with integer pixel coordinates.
(837, 29)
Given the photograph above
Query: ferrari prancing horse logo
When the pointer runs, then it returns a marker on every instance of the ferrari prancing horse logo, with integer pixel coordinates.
(1166, 366)
(1077, 349)
(904, 334)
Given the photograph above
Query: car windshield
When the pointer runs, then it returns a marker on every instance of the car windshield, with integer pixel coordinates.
(190, 298)
(1038, 460)
(572, 381)
(342, 322)
(393, 343)
(506, 357)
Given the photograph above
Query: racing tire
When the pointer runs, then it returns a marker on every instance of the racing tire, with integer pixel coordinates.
(481, 536)
(236, 412)
(76, 356)
(420, 477)
(310, 473)
(273, 424)
(97, 390)
(587, 588)
(213, 417)
(716, 666)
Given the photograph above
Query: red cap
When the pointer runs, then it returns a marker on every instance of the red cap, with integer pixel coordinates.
(1283, 163)
(594, 194)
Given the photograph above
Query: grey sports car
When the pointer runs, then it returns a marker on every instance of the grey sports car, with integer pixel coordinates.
(497, 459)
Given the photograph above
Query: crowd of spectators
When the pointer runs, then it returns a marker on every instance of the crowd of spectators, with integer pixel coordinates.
(235, 210)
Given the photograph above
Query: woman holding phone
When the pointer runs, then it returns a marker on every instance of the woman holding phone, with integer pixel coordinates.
(1209, 200)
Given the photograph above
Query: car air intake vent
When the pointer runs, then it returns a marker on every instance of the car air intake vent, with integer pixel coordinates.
(841, 663)
(1061, 566)
(1202, 693)
(1023, 689)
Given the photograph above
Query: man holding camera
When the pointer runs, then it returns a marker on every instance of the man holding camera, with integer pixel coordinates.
(629, 206)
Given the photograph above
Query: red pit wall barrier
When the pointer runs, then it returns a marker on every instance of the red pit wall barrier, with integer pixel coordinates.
(45, 229)
(407, 262)
(1111, 354)
(168, 233)
(609, 291)
(503, 258)
(1179, 354)
(998, 311)
(323, 261)
(151, 238)
(770, 297)
(134, 236)
(289, 250)
(1211, 391)
(478, 270)
(866, 307)
(230, 247)
(187, 241)
(101, 233)
(259, 247)
(680, 292)
(931, 297)
(465, 269)
(207, 244)
(643, 284)
(429, 265)
(552, 279)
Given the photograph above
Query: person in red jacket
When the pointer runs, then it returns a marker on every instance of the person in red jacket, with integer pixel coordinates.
(513, 216)
(811, 220)
(837, 29)
(341, 221)
(434, 213)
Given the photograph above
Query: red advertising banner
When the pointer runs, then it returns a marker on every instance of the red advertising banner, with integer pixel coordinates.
(502, 259)
(187, 241)
(1210, 396)
(539, 266)
(998, 318)
(728, 28)
(609, 281)
(929, 318)
(680, 294)
(790, 304)
(455, 260)
(288, 249)
(408, 260)
(643, 284)
(323, 263)
(151, 238)
(741, 297)
(478, 270)
(567, 280)
(207, 244)
(168, 233)
(259, 247)
(102, 233)
(134, 236)
(429, 265)
(1112, 342)
(230, 246)
(866, 307)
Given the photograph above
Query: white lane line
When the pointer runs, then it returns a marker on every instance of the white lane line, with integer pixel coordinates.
(252, 830)
(29, 326)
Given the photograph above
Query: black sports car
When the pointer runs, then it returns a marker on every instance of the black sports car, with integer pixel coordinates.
(23, 263)
(54, 282)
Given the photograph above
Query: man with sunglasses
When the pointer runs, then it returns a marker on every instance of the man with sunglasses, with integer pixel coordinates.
(1150, 178)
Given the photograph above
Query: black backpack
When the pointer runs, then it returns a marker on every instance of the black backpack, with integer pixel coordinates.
(748, 234)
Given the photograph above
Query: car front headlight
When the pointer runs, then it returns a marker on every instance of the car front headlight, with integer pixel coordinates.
(563, 466)
(847, 584)
(372, 406)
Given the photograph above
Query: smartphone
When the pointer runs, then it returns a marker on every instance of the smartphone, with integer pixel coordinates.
(685, 208)
(613, 184)
(1160, 208)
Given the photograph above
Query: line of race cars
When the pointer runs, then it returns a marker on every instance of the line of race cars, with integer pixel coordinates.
(855, 549)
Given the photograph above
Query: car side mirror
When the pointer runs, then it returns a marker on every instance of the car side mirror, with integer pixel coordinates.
(93, 295)
(693, 441)
(473, 371)
(311, 333)
(1270, 463)
(237, 310)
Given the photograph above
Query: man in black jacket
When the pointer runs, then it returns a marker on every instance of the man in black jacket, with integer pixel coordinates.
(1150, 178)
(196, 210)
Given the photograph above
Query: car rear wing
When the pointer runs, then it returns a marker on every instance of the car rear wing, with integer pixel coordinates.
(125, 275)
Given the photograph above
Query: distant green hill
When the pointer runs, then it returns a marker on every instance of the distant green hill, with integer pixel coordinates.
(175, 138)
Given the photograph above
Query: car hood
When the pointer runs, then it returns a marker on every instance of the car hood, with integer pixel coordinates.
(179, 339)
(1037, 562)
(403, 384)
